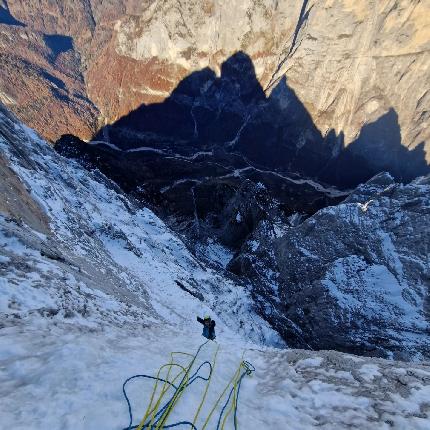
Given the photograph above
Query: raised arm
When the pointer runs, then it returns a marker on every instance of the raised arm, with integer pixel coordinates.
(200, 320)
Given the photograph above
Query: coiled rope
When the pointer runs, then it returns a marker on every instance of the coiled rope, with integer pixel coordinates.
(155, 417)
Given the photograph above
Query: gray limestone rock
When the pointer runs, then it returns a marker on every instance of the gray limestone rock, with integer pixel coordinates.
(353, 277)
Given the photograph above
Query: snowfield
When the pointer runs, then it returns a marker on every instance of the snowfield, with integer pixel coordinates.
(95, 289)
(61, 376)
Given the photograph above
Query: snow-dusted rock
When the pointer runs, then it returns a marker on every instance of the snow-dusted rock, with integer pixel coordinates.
(354, 276)
(82, 252)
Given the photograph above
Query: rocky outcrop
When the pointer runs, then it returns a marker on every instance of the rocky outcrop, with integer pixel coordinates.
(211, 158)
(16, 203)
(201, 192)
(107, 290)
(354, 275)
(342, 59)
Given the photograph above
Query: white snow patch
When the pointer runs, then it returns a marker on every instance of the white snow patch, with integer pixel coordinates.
(369, 371)
(310, 362)
(254, 244)
(353, 282)
(4, 259)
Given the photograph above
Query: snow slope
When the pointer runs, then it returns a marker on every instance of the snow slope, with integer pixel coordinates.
(101, 252)
(94, 289)
(61, 377)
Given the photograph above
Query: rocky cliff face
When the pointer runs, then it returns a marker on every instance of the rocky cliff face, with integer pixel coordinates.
(341, 59)
(217, 149)
(217, 114)
(355, 275)
(352, 277)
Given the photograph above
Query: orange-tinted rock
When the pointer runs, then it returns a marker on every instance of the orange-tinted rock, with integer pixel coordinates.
(44, 85)
(349, 62)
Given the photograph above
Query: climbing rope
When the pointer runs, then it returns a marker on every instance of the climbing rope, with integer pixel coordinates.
(155, 417)
(164, 412)
(235, 383)
(248, 370)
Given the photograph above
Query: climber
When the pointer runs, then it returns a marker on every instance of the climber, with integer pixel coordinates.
(208, 327)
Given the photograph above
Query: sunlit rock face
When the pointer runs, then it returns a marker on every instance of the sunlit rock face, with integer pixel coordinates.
(41, 80)
(350, 63)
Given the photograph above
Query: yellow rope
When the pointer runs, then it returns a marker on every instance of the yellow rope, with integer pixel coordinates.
(175, 400)
(207, 387)
(184, 372)
(164, 389)
(153, 410)
(233, 403)
(233, 380)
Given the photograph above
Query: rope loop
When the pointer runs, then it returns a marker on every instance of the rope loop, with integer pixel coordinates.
(249, 368)
(157, 413)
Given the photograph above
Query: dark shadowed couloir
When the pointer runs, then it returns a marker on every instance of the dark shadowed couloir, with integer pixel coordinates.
(219, 146)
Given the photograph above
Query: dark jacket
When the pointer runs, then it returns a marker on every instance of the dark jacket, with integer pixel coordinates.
(208, 328)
